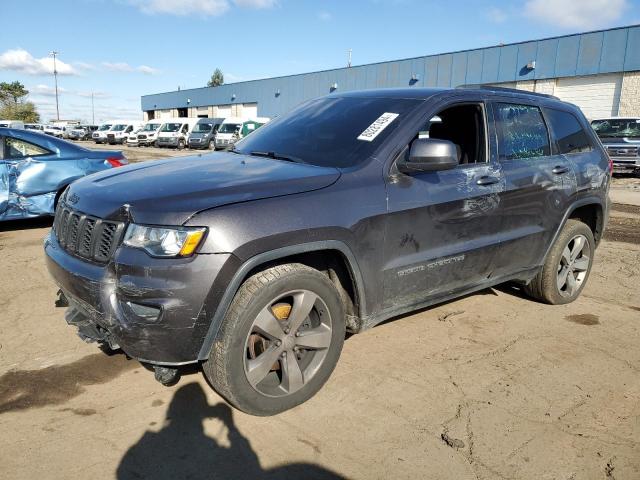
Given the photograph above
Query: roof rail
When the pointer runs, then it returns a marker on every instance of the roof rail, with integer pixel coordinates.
(509, 90)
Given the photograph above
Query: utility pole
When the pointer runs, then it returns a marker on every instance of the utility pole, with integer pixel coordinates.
(93, 112)
(55, 76)
(349, 62)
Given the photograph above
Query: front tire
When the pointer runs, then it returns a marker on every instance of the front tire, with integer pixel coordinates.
(279, 341)
(566, 269)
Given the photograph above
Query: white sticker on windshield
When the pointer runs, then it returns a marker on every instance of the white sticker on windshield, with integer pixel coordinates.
(377, 127)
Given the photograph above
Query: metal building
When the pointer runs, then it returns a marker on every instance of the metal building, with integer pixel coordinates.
(599, 71)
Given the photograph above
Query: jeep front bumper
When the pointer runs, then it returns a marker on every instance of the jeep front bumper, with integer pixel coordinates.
(151, 308)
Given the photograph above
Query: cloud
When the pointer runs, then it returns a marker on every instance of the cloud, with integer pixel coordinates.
(147, 70)
(117, 66)
(324, 16)
(207, 8)
(46, 90)
(84, 66)
(497, 15)
(256, 3)
(579, 15)
(124, 67)
(182, 7)
(20, 60)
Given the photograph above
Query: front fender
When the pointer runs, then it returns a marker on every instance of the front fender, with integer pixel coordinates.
(243, 270)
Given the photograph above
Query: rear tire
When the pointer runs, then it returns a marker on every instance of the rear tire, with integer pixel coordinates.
(265, 361)
(566, 269)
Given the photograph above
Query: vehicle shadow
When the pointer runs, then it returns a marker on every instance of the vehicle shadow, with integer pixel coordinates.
(183, 450)
(26, 224)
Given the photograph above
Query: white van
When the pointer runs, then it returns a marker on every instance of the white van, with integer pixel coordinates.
(147, 135)
(121, 129)
(175, 132)
(100, 135)
(235, 128)
(11, 124)
(230, 127)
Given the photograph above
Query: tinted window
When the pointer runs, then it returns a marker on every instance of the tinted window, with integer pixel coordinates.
(521, 131)
(569, 134)
(330, 131)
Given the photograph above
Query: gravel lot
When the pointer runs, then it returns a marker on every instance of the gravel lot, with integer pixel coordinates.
(489, 386)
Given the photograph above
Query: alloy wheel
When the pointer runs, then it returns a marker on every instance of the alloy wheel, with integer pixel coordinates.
(573, 266)
(287, 343)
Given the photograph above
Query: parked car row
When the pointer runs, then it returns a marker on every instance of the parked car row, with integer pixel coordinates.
(180, 132)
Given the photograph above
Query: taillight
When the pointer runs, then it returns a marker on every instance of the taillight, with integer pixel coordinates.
(610, 166)
(115, 161)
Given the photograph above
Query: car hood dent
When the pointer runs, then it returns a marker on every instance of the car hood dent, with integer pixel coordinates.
(169, 192)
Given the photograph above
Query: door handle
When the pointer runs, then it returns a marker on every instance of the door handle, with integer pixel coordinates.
(559, 169)
(487, 180)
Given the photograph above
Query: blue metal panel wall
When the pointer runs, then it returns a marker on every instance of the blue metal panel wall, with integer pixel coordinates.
(613, 50)
(614, 46)
(589, 53)
(632, 58)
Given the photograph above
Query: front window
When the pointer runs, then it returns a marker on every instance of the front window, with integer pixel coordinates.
(170, 127)
(331, 131)
(151, 127)
(617, 127)
(203, 128)
(229, 128)
(104, 127)
(118, 128)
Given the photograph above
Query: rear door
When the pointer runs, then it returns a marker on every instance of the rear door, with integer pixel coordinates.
(539, 184)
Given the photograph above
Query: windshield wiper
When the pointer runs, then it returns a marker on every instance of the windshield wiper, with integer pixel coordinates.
(276, 156)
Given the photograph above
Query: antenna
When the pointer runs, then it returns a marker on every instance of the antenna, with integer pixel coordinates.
(349, 62)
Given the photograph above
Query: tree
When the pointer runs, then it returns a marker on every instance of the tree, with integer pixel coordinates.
(13, 91)
(216, 79)
(13, 104)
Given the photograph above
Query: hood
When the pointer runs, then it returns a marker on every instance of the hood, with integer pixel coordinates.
(169, 192)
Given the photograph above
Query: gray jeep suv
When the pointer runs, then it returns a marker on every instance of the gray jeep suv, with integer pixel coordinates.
(352, 209)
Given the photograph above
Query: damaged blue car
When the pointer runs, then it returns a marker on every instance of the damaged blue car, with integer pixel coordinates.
(35, 169)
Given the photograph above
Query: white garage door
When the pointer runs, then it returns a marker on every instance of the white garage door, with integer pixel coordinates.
(597, 95)
(249, 110)
(224, 111)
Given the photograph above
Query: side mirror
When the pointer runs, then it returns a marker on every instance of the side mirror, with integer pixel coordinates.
(428, 155)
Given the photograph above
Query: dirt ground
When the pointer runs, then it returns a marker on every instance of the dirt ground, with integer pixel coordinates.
(491, 386)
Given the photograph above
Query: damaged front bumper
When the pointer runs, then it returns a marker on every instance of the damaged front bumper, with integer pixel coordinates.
(152, 308)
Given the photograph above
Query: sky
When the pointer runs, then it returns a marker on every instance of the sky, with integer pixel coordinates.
(122, 49)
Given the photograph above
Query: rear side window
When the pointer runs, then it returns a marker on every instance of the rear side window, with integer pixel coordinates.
(16, 148)
(569, 134)
(521, 131)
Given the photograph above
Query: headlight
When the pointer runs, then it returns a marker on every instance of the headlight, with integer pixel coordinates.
(164, 241)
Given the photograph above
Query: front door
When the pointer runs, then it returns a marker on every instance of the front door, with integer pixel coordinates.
(443, 227)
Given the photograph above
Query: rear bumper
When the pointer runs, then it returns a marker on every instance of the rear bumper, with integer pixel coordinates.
(151, 308)
(626, 165)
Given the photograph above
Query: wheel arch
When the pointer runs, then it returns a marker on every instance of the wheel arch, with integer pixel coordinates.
(592, 211)
(330, 256)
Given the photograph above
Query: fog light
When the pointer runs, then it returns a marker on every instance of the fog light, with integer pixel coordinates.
(144, 311)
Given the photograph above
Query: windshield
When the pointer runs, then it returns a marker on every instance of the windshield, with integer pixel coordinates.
(229, 128)
(151, 127)
(617, 127)
(202, 128)
(331, 131)
(119, 128)
(104, 127)
(170, 127)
